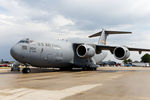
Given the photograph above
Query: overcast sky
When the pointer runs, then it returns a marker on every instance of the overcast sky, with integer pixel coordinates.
(74, 20)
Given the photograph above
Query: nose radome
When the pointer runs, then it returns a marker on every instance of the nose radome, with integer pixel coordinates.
(13, 51)
(17, 53)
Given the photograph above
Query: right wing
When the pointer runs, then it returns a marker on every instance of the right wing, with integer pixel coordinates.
(99, 48)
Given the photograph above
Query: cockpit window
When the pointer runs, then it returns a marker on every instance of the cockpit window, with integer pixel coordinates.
(25, 41)
(22, 41)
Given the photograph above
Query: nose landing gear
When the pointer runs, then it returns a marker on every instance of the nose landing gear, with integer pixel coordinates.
(26, 70)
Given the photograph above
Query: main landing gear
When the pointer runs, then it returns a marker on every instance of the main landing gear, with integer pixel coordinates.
(26, 70)
(89, 68)
(66, 68)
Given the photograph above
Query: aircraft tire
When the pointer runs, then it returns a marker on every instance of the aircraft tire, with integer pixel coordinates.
(12, 69)
(23, 70)
(26, 70)
(94, 69)
(66, 68)
(85, 68)
(89, 69)
(18, 69)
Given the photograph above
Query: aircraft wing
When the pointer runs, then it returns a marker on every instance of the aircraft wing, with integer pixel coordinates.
(99, 48)
(111, 48)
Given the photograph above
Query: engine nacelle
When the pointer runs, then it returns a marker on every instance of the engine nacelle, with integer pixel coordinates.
(85, 51)
(121, 53)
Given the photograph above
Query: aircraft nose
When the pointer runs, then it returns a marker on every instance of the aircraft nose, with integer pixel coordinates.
(14, 52)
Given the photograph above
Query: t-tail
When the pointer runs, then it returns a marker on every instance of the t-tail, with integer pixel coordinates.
(104, 33)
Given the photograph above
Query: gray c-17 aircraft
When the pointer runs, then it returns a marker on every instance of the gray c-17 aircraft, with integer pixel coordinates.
(66, 55)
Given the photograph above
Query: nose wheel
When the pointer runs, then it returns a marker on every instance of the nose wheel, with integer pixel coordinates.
(26, 70)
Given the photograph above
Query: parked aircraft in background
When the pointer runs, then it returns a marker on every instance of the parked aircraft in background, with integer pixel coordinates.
(66, 55)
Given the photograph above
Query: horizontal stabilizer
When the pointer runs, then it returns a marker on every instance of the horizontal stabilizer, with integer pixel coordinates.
(109, 32)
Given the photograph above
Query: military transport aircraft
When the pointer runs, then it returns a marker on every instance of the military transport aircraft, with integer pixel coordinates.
(66, 55)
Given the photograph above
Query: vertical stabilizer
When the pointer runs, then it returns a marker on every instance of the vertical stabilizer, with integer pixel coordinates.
(103, 37)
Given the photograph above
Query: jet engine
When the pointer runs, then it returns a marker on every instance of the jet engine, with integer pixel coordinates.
(85, 51)
(121, 53)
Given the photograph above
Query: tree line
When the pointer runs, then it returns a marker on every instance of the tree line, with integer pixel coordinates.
(145, 58)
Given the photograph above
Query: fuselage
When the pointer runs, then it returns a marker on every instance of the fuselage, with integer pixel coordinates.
(56, 53)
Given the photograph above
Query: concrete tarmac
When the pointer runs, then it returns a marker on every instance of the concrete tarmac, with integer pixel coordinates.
(107, 83)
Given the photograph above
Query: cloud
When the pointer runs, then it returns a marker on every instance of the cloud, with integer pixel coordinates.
(61, 21)
(97, 12)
